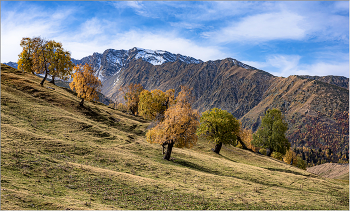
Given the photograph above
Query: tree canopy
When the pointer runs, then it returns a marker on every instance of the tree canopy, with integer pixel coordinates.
(60, 61)
(131, 94)
(220, 127)
(153, 104)
(44, 57)
(85, 83)
(271, 133)
(179, 125)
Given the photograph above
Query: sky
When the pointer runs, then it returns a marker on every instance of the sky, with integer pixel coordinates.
(281, 37)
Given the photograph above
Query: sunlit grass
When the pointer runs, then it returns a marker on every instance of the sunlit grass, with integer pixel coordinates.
(55, 155)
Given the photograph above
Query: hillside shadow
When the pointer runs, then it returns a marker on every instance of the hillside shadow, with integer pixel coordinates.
(194, 166)
(286, 171)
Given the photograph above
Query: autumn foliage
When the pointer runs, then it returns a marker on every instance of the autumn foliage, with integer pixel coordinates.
(41, 56)
(179, 125)
(85, 83)
(131, 94)
(153, 104)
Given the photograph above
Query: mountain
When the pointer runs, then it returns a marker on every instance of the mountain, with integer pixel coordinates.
(247, 93)
(330, 79)
(111, 61)
(316, 108)
(56, 155)
(12, 64)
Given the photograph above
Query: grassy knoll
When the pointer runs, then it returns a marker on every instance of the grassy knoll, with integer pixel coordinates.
(56, 155)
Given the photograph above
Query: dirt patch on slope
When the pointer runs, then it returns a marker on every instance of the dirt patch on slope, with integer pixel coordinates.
(330, 170)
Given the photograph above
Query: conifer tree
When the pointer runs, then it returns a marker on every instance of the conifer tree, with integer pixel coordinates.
(271, 133)
(85, 83)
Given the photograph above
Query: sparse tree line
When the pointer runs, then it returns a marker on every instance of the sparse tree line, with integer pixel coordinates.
(41, 56)
(177, 124)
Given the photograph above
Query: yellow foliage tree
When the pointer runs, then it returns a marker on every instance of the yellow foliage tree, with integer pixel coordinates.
(60, 61)
(44, 57)
(25, 60)
(153, 104)
(131, 94)
(179, 125)
(85, 83)
(291, 158)
(246, 136)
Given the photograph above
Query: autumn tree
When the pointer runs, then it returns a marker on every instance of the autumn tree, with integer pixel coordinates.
(85, 83)
(271, 133)
(131, 94)
(220, 127)
(290, 157)
(245, 138)
(60, 61)
(179, 125)
(44, 57)
(25, 60)
(153, 104)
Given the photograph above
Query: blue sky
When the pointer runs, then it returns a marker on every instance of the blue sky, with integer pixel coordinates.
(281, 37)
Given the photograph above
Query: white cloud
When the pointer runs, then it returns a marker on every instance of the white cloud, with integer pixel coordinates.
(261, 27)
(15, 26)
(161, 40)
(286, 65)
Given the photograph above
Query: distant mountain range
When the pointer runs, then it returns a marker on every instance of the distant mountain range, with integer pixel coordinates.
(315, 107)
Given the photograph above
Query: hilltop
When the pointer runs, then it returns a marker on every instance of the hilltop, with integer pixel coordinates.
(56, 155)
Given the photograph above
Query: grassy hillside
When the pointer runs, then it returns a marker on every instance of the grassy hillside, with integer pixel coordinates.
(55, 155)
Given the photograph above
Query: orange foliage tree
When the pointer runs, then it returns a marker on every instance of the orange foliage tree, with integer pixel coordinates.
(179, 125)
(85, 83)
(131, 94)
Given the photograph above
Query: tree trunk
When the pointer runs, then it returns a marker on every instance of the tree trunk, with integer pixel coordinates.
(217, 148)
(168, 151)
(163, 145)
(269, 151)
(242, 143)
(53, 80)
(81, 102)
(42, 82)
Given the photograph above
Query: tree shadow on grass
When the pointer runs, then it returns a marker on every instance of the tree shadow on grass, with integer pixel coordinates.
(195, 166)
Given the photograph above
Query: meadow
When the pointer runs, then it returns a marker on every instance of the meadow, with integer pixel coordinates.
(57, 155)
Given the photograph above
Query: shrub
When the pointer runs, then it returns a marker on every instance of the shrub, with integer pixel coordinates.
(122, 107)
(262, 151)
(277, 155)
(301, 163)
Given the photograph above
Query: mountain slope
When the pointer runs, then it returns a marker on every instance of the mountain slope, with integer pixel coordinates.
(330, 79)
(316, 112)
(221, 83)
(56, 155)
(111, 61)
(316, 107)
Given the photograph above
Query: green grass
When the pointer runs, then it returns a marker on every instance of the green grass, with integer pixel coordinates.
(56, 155)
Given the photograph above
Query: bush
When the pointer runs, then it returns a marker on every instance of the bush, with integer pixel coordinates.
(277, 155)
(301, 163)
(262, 151)
(122, 107)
